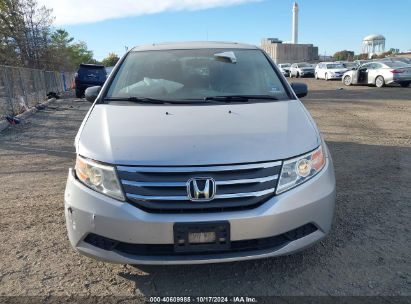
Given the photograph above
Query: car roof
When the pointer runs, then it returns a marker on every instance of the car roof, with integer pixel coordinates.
(90, 65)
(193, 45)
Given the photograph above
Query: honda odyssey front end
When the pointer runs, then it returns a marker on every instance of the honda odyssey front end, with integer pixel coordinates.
(197, 153)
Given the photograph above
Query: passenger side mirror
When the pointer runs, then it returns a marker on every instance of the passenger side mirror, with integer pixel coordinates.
(92, 93)
(300, 89)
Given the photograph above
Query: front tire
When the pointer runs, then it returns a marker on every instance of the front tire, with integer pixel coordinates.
(347, 80)
(379, 82)
(316, 76)
(326, 77)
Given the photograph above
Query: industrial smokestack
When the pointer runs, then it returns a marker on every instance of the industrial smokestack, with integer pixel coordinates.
(294, 39)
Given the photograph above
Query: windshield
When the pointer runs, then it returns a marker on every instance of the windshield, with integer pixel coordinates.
(285, 65)
(335, 66)
(304, 65)
(195, 75)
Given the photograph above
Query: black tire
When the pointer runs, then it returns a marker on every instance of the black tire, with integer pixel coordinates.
(79, 93)
(404, 84)
(326, 77)
(347, 80)
(379, 82)
(298, 75)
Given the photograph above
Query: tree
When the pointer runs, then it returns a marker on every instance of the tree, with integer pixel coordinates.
(26, 39)
(363, 56)
(81, 54)
(343, 55)
(68, 54)
(25, 29)
(110, 60)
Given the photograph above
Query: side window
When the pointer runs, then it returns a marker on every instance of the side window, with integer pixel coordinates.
(366, 67)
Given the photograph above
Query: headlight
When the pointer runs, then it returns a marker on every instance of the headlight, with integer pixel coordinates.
(102, 178)
(300, 169)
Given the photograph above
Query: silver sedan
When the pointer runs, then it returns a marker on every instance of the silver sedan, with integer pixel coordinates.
(379, 73)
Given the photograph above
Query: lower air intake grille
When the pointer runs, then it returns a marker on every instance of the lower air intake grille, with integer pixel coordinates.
(273, 242)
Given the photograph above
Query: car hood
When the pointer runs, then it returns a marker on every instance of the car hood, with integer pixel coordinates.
(132, 134)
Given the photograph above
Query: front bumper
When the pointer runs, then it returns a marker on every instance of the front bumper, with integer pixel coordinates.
(306, 74)
(88, 212)
(335, 76)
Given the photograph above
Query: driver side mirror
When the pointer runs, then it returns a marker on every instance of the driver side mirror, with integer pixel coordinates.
(92, 93)
(300, 89)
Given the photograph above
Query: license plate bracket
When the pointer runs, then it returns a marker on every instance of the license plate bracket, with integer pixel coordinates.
(201, 237)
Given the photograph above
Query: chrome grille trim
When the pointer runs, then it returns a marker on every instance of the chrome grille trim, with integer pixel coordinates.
(185, 198)
(200, 169)
(164, 189)
(183, 184)
(157, 198)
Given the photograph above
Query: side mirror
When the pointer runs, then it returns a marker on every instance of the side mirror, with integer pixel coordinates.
(92, 93)
(300, 89)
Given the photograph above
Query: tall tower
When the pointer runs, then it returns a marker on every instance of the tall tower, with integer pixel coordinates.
(294, 39)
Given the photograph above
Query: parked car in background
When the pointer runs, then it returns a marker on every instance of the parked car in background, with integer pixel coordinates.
(233, 167)
(402, 59)
(349, 65)
(109, 70)
(379, 73)
(89, 75)
(285, 68)
(359, 62)
(329, 70)
(302, 69)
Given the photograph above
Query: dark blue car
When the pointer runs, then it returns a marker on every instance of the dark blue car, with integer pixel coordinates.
(89, 75)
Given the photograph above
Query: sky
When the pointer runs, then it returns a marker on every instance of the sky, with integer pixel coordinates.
(111, 26)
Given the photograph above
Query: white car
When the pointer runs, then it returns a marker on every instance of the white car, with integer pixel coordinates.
(301, 69)
(285, 68)
(380, 73)
(329, 70)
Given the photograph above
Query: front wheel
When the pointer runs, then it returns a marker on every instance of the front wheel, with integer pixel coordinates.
(316, 76)
(347, 80)
(404, 84)
(379, 82)
(326, 76)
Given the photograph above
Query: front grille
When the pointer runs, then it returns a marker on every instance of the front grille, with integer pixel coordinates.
(164, 189)
(273, 242)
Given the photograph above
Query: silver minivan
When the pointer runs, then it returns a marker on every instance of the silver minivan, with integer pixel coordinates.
(197, 152)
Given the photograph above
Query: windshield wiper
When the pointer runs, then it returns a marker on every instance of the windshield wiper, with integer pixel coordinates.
(139, 99)
(235, 98)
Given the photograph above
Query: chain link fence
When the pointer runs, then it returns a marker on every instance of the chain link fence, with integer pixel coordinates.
(23, 88)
